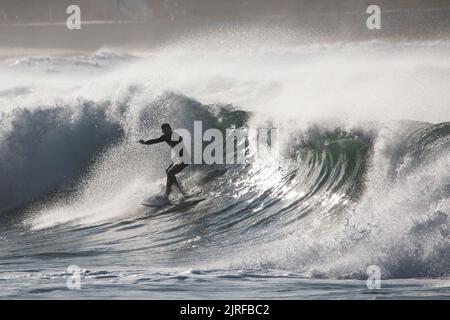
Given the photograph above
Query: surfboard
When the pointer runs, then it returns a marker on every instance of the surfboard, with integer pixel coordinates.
(188, 200)
(159, 201)
(156, 201)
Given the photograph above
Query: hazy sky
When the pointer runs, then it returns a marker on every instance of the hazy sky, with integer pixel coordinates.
(198, 9)
(343, 19)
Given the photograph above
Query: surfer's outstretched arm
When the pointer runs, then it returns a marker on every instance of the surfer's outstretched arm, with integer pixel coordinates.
(152, 141)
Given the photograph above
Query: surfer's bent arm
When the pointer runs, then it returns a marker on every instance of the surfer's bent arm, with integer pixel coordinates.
(153, 141)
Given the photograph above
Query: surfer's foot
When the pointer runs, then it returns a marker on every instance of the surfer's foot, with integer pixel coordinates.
(164, 198)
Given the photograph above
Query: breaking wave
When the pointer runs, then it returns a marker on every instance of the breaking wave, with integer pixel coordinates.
(344, 194)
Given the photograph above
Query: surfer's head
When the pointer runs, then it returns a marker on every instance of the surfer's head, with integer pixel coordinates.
(166, 129)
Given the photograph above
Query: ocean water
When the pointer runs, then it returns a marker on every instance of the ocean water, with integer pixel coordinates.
(362, 178)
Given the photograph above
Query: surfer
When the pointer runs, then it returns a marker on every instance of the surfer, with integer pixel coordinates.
(177, 165)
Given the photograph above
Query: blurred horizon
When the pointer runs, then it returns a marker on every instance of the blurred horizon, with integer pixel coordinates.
(51, 11)
(30, 23)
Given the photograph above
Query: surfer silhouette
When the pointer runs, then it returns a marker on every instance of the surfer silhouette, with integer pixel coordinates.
(177, 165)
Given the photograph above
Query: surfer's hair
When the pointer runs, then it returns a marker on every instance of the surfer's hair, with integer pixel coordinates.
(166, 125)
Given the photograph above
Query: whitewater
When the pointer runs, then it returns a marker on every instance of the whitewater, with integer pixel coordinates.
(362, 178)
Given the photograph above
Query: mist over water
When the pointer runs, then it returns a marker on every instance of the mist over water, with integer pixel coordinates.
(363, 179)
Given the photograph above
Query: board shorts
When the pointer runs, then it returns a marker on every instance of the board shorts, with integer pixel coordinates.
(176, 168)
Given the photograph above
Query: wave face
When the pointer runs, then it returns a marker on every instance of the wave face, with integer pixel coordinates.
(362, 179)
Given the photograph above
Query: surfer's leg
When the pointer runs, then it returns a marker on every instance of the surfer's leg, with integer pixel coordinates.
(175, 169)
(170, 181)
(175, 182)
(169, 168)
